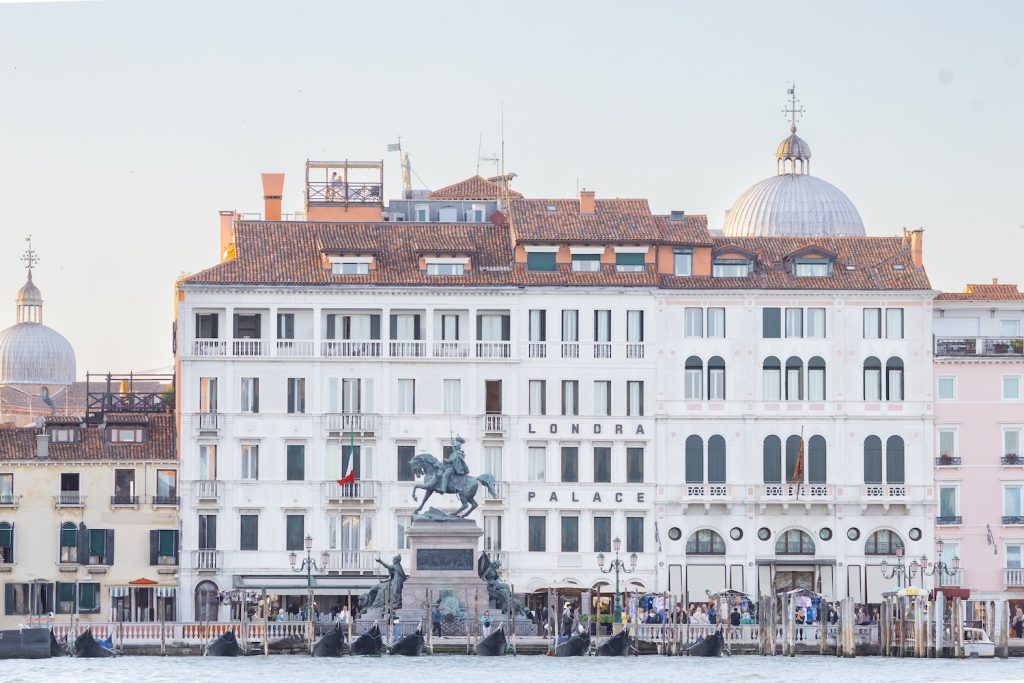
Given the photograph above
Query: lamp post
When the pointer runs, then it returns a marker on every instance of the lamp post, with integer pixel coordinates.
(900, 570)
(940, 567)
(617, 566)
(309, 565)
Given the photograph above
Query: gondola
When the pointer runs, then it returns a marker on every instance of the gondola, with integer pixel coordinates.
(493, 645)
(88, 646)
(370, 643)
(615, 646)
(57, 648)
(226, 645)
(409, 646)
(329, 644)
(24, 643)
(286, 644)
(708, 646)
(576, 646)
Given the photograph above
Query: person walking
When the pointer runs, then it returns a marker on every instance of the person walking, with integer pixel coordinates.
(435, 619)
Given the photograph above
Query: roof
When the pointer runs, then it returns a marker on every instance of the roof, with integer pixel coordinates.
(19, 443)
(560, 220)
(476, 187)
(985, 292)
(793, 204)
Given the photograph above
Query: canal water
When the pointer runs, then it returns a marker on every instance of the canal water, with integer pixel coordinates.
(523, 669)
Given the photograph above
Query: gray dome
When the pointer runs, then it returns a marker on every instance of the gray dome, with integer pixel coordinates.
(793, 147)
(793, 204)
(33, 356)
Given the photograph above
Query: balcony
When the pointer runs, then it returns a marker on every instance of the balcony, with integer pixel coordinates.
(249, 347)
(881, 491)
(209, 422)
(208, 490)
(207, 560)
(294, 348)
(494, 424)
(124, 501)
(344, 423)
(353, 561)
(69, 499)
(209, 347)
(450, 349)
(1013, 576)
(959, 347)
(537, 350)
(346, 348)
(570, 349)
(1013, 519)
(602, 350)
(493, 349)
(947, 461)
(166, 501)
(948, 520)
(407, 349)
(9, 500)
(635, 350)
(1011, 459)
(359, 491)
(501, 488)
(706, 492)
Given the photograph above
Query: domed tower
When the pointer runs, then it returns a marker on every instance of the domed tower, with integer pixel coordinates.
(793, 202)
(34, 358)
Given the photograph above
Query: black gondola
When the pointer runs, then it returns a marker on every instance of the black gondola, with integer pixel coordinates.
(287, 644)
(57, 648)
(370, 643)
(226, 645)
(410, 645)
(25, 643)
(493, 645)
(615, 646)
(87, 646)
(708, 646)
(576, 646)
(329, 644)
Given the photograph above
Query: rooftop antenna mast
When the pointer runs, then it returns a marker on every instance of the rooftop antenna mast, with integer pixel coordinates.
(794, 111)
(505, 198)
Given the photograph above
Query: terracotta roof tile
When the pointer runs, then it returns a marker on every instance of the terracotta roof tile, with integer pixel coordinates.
(19, 443)
(984, 292)
(560, 220)
(476, 187)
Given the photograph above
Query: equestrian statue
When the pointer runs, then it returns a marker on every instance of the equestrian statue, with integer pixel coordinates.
(450, 476)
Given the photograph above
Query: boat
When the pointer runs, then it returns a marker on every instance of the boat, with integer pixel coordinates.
(25, 643)
(226, 645)
(493, 645)
(329, 644)
(57, 648)
(708, 646)
(409, 646)
(370, 643)
(615, 646)
(88, 646)
(287, 644)
(978, 644)
(576, 646)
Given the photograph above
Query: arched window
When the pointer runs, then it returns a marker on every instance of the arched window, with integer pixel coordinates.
(693, 378)
(771, 379)
(872, 379)
(69, 542)
(206, 601)
(716, 379)
(7, 542)
(894, 468)
(705, 542)
(883, 542)
(716, 460)
(772, 459)
(872, 460)
(794, 379)
(816, 460)
(796, 460)
(794, 542)
(894, 379)
(694, 459)
(816, 379)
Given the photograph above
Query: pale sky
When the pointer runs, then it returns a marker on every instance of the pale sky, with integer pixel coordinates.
(126, 126)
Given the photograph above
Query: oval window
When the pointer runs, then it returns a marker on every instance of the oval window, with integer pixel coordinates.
(675, 533)
(736, 533)
(825, 534)
(764, 533)
(853, 533)
(915, 534)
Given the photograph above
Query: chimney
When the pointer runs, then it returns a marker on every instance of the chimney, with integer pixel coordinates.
(43, 446)
(587, 201)
(227, 235)
(917, 247)
(995, 281)
(273, 188)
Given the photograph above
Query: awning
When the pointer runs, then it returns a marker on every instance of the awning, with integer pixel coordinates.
(165, 591)
(954, 592)
(119, 591)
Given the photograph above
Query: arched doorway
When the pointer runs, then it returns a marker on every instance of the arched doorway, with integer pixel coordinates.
(207, 603)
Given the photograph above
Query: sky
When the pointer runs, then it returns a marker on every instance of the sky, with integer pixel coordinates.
(125, 126)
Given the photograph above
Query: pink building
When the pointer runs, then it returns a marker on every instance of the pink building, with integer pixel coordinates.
(979, 418)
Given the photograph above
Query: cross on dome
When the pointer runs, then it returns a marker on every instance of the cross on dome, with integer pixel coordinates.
(792, 112)
(30, 258)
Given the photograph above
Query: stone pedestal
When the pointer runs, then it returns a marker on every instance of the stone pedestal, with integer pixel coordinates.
(444, 558)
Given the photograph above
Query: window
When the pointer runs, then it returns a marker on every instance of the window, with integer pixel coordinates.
(250, 461)
(405, 455)
(570, 397)
(163, 547)
(6, 489)
(538, 325)
(812, 268)
(682, 262)
(894, 323)
(693, 378)
(872, 323)
(442, 268)
(693, 322)
(126, 434)
(538, 397)
(538, 533)
(1011, 441)
(794, 322)
(602, 534)
(794, 379)
(634, 465)
(89, 598)
(602, 398)
(1012, 504)
(570, 534)
(872, 460)
(602, 464)
(406, 397)
(635, 326)
(1011, 387)
(794, 542)
(570, 326)
(101, 546)
(452, 396)
(207, 394)
(947, 501)
(350, 268)
(404, 522)
(492, 461)
(540, 261)
(286, 326)
(629, 262)
(207, 528)
(602, 326)
(63, 435)
(206, 325)
(694, 459)
(250, 394)
(945, 388)
(796, 470)
(894, 379)
(872, 379)
(947, 442)
(716, 323)
(771, 379)
(716, 459)
(894, 461)
(730, 268)
(124, 486)
(634, 534)
(771, 323)
(705, 542)
(421, 213)
(7, 542)
(1009, 328)
(492, 532)
(248, 532)
(771, 452)
(296, 456)
(570, 463)
(1014, 555)
(406, 327)
(716, 378)
(296, 395)
(634, 398)
(816, 379)
(247, 326)
(536, 463)
(586, 263)
(883, 542)
(68, 543)
(815, 323)
(817, 460)
(295, 532)
(207, 462)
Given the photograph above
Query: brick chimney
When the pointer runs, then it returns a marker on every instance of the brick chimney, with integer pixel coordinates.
(43, 446)
(587, 201)
(917, 247)
(273, 189)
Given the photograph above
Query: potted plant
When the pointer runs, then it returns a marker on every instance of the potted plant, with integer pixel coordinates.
(945, 459)
(1011, 459)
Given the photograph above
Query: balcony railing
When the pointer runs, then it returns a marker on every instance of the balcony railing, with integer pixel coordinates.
(124, 500)
(884, 491)
(294, 348)
(602, 350)
(347, 348)
(493, 349)
(207, 559)
(1013, 576)
(1011, 460)
(209, 347)
(495, 424)
(707, 491)
(979, 346)
(797, 491)
(635, 350)
(501, 488)
(407, 349)
(570, 349)
(361, 489)
(351, 422)
(207, 489)
(537, 349)
(249, 347)
(209, 422)
(1013, 519)
(947, 461)
(949, 520)
(353, 560)
(166, 500)
(341, 193)
(450, 349)
(9, 500)
(69, 499)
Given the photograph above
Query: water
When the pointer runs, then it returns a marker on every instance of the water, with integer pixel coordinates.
(520, 669)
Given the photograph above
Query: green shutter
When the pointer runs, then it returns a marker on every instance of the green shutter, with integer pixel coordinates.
(69, 536)
(296, 462)
(540, 261)
(622, 259)
(166, 543)
(98, 542)
(6, 535)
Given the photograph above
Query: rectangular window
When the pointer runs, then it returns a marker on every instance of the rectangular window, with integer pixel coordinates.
(634, 534)
(350, 268)
(63, 435)
(716, 323)
(794, 384)
(635, 465)
(1012, 501)
(1011, 441)
(163, 547)
(602, 464)
(421, 213)
(634, 326)
(124, 485)
(872, 384)
(248, 532)
(207, 526)
(894, 383)
(794, 322)
(947, 442)
(250, 394)
(296, 395)
(811, 268)
(536, 463)
(816, 383)
(586, 263)
(207, 462)
(872, 323)
(602, 326)
(1011, 387)
(1014, 555)
(436, 268)
(206, 325)
(570, 463)
(538, 533)
(406, 397)
(815, 323)
(126, 434)
(296, 456)
(682, 262)
(570, 397)
(602, 398)
(570, 534)
(693, 322)
(730, 268)
(492, 532)
(295, 532)
(771, 323)
(452, 397)
(250, 461)
(1009, 328)
(570, 326)
(771, 383)
(286, 326)
(449, 327)
(693, 383)
(167, 485)
(538, 397)
(634, 399)
(492, 461)
(89, 598)
(629, 263)
(404, 522)
(716, 383)
(6, 489)
(602, 534)
(538, 325)
(946, 388)
(947, 501)
(405, 456)
(540, 261)
(207, 394)
(894, 323)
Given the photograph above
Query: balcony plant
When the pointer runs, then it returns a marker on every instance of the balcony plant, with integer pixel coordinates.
(1001, 347)
(945, 459)
(1017, 345)
(1012, 459)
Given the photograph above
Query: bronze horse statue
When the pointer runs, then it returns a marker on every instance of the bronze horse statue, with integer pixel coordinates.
(462, 485)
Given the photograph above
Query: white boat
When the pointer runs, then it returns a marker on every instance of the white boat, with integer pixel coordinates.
(978, 644)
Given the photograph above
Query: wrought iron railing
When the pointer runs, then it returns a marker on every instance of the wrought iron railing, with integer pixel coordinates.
(949, 520)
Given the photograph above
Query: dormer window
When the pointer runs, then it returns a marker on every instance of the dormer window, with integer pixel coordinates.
(541, 259)
(446, 266)
(64, 434)
(630, 259)
(682, 262)
(350, 265)
(812, 267)
(126, 434)
(586, 259)
(731, 267)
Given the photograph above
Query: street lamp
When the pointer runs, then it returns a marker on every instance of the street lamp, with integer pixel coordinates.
(309, 565)
(900, 570)
(940, 567)
(617, 566)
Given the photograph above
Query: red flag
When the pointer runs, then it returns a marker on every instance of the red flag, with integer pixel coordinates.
(348, 478)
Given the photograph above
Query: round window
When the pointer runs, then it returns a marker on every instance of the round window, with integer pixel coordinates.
(825, 534)
(853, 533)
(674, 533)
(764, 533)
(736, 533)
(915, 534)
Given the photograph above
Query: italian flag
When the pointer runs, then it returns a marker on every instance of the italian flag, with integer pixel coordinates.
(350, 473)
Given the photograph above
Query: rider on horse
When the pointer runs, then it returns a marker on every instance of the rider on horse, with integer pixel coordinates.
(454, 463)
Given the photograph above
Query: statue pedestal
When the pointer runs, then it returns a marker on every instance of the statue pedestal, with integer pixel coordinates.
(444, 560)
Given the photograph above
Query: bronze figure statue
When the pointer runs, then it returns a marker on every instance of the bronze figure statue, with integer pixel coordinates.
(388, 593)
(498, 590)
(450, 476)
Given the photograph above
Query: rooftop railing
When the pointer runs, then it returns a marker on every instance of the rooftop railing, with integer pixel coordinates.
(979, 346)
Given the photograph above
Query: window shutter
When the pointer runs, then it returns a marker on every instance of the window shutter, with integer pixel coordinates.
(154, 542)
(332, 326)
(479, 327)
(394, 326)
(235, 327)
(9, 599)
(375, 326)
(543, 325)
(83, 544)
(416, 326)
(256, 394)
(177, 549)
(506, 328)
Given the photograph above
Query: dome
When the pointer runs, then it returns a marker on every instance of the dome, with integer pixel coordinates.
(792, 148)
(29, 294)
(34, 356)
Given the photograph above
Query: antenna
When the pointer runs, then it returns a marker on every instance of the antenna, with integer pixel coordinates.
(504, 203)
(479, 151)
(792, 112)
